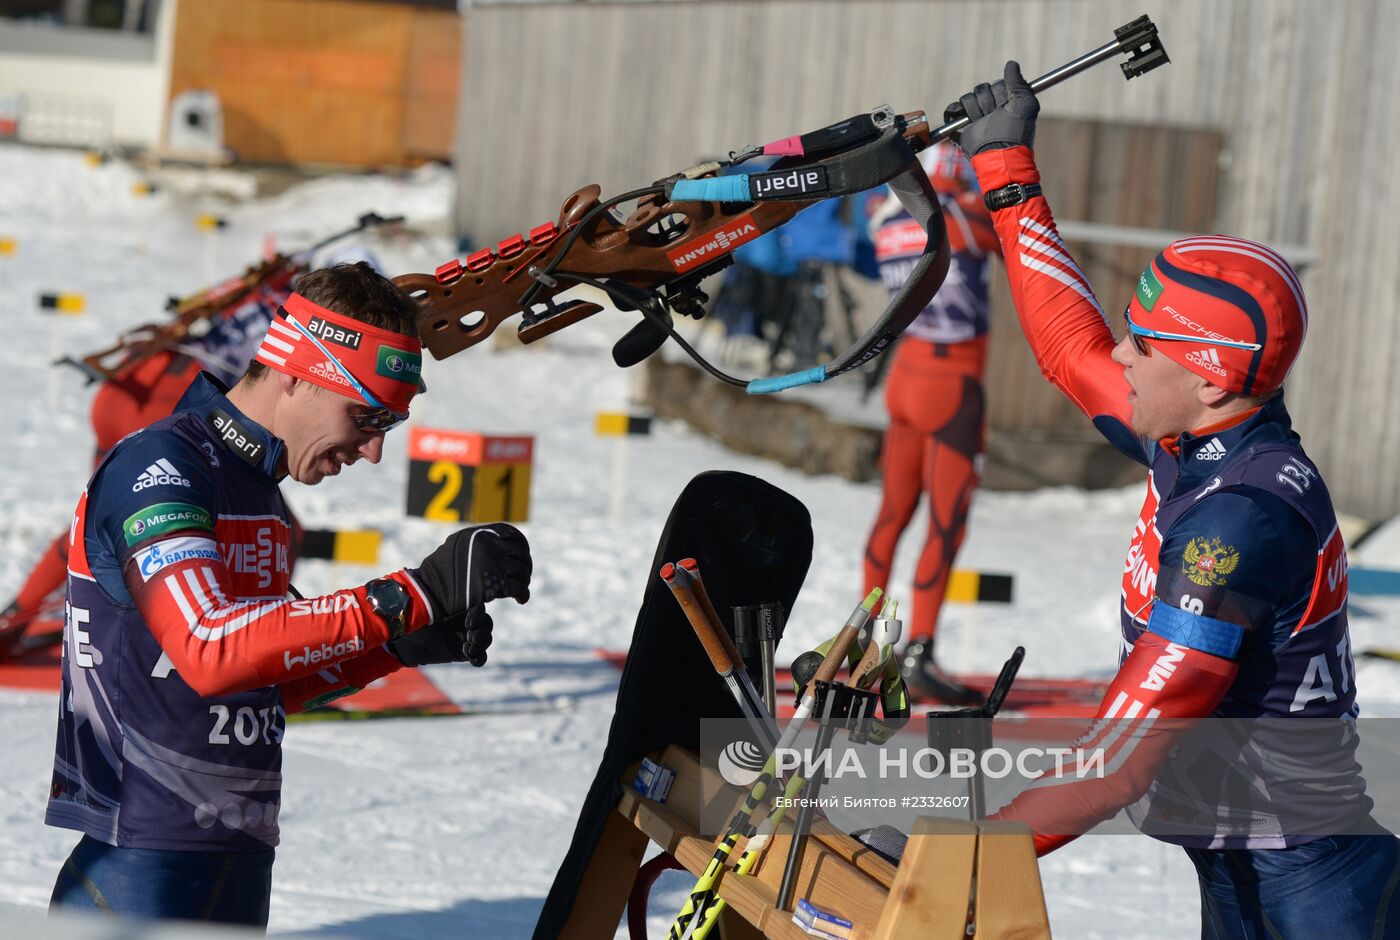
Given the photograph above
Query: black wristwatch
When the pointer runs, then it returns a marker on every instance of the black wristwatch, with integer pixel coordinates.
(390, 601)
(1012, 195)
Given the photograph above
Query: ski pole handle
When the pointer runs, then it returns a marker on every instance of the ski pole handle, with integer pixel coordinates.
(690, 569)
(715, 648)
(1138, 39)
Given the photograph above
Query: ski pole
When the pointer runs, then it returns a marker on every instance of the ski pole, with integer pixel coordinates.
(723, 656)
(703, 904)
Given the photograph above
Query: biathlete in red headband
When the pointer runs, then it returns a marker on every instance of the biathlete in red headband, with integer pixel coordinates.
(183, 651)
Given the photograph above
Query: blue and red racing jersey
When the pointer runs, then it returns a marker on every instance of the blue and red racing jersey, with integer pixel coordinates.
(1233, 595)
(958, 312)
(182, 652)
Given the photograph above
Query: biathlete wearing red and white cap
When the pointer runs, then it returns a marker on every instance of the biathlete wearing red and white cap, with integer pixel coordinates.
(1234, 591)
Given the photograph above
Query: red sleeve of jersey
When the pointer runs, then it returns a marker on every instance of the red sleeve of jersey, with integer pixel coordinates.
(220, 646)
(1059, 313)
(1161, 689)
(347, 678)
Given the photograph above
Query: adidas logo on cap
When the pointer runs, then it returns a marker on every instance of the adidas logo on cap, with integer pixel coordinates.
(160, 473)
(1207, 359)
(1214, 450)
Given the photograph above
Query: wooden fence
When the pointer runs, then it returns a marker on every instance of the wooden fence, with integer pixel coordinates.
(1296, 95)
(341, 82)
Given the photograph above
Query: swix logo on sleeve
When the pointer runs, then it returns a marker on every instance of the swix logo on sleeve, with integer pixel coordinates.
(155, 559)
(238, 437)
(330, 604)
(331, 333)
(160, 473)
(324, 654)
(1160, 671)
(706, 248)
(811, 179)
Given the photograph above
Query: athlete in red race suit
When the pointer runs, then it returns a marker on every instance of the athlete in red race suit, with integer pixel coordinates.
(1234, 593)
(933, 443)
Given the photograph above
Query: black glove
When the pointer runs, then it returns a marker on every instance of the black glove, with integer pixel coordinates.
(461, 638)
(474, 566)
(1002, 113)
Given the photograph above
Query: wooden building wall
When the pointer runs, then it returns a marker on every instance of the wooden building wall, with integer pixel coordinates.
(1298, 92)
(342, 82)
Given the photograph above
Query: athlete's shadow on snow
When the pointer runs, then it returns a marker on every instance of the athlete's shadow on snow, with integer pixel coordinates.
(499, 919)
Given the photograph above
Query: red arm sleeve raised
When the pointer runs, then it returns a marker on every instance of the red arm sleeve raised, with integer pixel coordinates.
(1059, 314)
(220, 646)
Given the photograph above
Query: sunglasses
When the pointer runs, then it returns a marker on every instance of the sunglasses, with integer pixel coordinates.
(1140, 335)
(379, 417)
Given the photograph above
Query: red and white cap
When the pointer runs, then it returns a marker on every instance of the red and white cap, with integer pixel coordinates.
(1223, 288)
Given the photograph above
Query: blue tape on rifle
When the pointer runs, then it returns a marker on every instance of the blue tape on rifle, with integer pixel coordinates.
(720, 189)
(780, 382)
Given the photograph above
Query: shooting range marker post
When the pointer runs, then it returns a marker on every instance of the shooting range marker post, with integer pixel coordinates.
(73, 305)
(467, 476)
(620, 426)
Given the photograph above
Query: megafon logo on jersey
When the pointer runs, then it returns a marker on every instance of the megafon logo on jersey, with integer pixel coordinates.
(325, 654)
(706, 248)
(151, 561)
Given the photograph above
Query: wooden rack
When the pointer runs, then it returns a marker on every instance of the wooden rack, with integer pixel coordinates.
(950, 870)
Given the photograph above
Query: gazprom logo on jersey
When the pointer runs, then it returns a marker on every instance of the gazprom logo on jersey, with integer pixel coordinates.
(152, 561)
(1148, 289)
(165, 517)
(402, 366)
(325, 654)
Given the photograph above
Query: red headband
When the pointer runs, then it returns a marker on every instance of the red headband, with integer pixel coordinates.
(388, 364)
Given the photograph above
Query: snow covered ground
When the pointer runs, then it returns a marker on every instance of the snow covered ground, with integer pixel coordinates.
(449, 827)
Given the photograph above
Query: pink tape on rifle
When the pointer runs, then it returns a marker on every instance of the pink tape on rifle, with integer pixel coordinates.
(787, 147)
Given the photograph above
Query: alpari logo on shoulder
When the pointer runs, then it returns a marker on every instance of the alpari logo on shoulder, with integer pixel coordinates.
(325, 654)
(160, 473)
(1207, 359)
(236, 436)
(155, 559)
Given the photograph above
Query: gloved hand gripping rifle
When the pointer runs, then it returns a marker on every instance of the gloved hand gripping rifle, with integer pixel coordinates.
(685, 227)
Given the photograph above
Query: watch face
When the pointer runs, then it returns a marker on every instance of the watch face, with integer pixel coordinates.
(390, 602)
